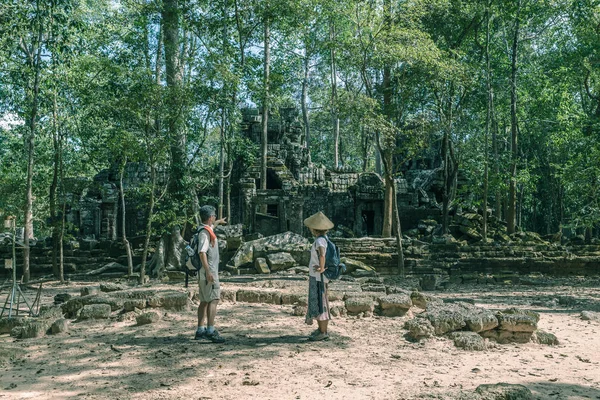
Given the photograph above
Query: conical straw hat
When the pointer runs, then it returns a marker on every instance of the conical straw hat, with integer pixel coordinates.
(319, 222)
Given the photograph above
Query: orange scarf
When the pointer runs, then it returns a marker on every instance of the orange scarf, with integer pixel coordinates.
(213, 237)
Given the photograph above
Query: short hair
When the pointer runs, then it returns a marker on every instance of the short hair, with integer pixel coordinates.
(206, 212)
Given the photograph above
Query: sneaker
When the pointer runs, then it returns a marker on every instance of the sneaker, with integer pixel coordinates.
(214, 337)
(200, 335)
(319, 336)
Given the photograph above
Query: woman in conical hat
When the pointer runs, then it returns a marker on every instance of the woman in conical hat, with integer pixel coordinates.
(318, 302)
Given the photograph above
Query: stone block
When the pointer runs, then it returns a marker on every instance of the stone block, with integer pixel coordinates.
(515, 320)
(59, 326)
(261, 266)
(228, 294)
(8, 324)
(292, 298)
(504, 337)
(590, 316)
(177, 301)
(542, 337)
(132, 304)
(419, 328)
(422, 300)
(480, 319)
(504, 391)
(111, 287)
(468, 341)
(356, 305)
(259, 296)
(149, 317)
(72, 307)
(61, 298)
(395, 305)
(280, 261)
(89, 290)
(95, 311)
(31, 328)
(445, 318)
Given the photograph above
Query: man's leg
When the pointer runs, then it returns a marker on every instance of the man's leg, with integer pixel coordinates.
(211, 333)
(202, 312)
(212, 312)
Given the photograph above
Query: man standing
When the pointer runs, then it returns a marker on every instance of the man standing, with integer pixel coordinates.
(208, 276)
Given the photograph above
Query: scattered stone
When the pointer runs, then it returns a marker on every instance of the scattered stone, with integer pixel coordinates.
(590, 316)
(61, 298)
(53, 312)
(516, 320)
(228, 294)
(543, 337)
(148, 317)
(291, 298)
(356, 305)
(503, 337)
(31, 328)
(177, 301)
(95, 311)
(59, 326)
(128, 316)
(360, 273)
(445, 317)
(259, 296)
(353, 265)
(261, 266)
(421, 300)
(468, 341)
(419, 328)
(111, 287)
(395, 305)
(72, 307)
(89, 290)
(8, 324)
(132, 304)
(280, 261)
(299, 310)
(504, 391)
(480, 319)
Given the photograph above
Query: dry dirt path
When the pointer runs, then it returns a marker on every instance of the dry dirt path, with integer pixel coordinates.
(267, 356)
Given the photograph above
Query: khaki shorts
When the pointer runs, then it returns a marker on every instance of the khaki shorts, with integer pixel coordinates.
(208, 291)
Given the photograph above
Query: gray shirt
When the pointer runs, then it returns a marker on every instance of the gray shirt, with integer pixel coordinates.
(212, 253)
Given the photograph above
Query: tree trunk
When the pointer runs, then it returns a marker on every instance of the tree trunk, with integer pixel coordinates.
(149, 223)
(306, 64)
(484, 227)
(123, 219)
(54, 187)
(512, 192)
(334, 99)
(398, 230)
(30, 147)
(170, 19)
(221, 164)
(265, 113)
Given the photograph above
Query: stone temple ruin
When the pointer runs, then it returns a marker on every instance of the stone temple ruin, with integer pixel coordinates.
(298, 188)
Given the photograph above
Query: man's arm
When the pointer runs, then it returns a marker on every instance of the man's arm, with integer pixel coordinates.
(204, 259)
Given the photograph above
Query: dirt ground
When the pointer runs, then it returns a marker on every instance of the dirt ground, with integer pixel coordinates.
(267, 355)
